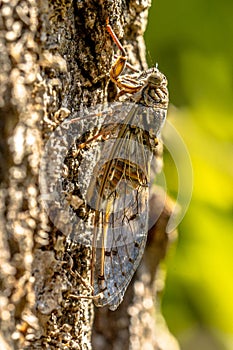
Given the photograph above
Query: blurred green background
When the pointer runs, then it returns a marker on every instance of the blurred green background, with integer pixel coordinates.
(193, 43)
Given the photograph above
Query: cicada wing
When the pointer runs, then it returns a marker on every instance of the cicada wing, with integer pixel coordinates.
(121, 234)
(112, 180)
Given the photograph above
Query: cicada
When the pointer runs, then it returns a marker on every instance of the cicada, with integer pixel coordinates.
(114, 200)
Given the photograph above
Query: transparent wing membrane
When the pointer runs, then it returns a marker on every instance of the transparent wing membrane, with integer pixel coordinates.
(101, 200)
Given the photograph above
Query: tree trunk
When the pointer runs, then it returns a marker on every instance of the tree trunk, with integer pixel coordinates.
(55, 58)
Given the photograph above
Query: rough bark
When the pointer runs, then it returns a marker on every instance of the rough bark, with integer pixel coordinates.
(55, 57)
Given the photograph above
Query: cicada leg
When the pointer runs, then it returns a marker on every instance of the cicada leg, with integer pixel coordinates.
(126, 83)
